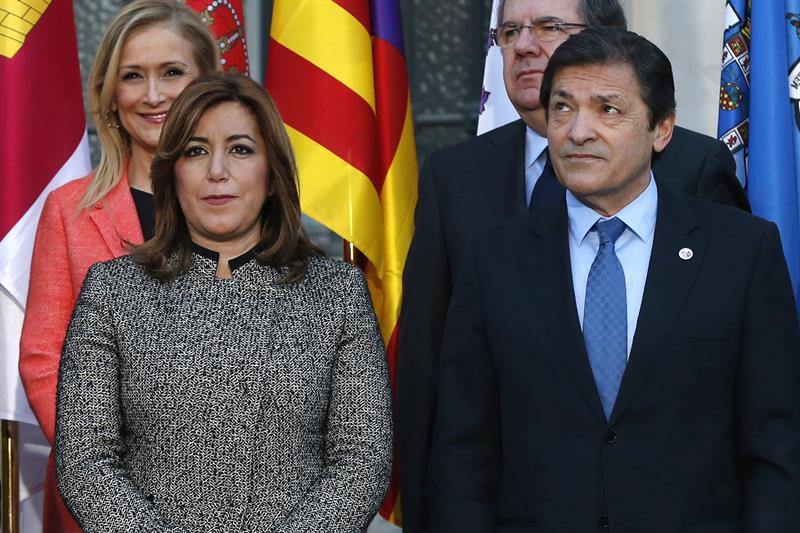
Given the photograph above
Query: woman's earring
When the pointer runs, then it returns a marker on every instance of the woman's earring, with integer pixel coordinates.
(110, 122)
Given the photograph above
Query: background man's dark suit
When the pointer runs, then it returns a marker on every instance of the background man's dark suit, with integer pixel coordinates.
(467, 187)
(704, 434)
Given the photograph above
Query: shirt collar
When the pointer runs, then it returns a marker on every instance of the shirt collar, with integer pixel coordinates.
(639, 215)
(233, 263)
(535, 144)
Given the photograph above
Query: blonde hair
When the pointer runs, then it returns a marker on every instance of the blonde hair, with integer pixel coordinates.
(115, 142)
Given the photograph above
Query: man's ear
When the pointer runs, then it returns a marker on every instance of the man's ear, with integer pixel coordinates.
(664, 131)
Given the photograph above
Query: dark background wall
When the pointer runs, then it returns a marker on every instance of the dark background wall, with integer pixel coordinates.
(445, 51)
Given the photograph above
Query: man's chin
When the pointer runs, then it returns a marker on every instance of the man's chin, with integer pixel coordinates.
(526, 100)
(533, 116)
(527, 104)
(581, 182)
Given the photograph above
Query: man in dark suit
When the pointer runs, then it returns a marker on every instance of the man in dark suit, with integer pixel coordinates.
(627, 358)
(493, 177)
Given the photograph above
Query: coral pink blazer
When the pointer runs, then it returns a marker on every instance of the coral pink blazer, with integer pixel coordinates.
(68, 242)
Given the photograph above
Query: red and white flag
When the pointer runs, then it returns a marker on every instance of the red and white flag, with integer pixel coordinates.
(43, 144)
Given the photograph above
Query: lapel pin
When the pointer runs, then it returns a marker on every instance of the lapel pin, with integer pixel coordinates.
(685, 253)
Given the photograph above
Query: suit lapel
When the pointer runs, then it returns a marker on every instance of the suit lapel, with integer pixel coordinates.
(548, 263)
(503, 172)
(669, 280)
(116, 219)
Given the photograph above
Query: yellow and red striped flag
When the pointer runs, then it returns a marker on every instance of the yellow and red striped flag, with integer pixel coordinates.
(337, 72)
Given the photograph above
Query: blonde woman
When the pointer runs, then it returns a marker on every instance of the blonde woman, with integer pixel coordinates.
(150, 52)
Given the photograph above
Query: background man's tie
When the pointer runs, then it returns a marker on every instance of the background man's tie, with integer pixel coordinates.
(548, 190)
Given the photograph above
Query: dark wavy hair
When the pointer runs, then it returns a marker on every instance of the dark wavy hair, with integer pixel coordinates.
(284, 241)
(605, 46)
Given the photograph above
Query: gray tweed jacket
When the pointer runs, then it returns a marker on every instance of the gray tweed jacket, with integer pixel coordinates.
(205, 404)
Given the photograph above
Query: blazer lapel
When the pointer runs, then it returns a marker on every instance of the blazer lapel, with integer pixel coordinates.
(548, 263)
(503, 172)
(669, 280)
(116, 218)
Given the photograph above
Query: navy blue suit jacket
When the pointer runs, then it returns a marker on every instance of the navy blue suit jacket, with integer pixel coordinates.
(467, 187)
(705, 433)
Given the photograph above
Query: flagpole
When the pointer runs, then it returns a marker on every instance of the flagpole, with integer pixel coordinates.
(353, 255)
(350, 252)
(10, 477)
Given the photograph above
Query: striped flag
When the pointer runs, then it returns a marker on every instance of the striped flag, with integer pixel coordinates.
(759, 115)
(337, 72)
(225, 19)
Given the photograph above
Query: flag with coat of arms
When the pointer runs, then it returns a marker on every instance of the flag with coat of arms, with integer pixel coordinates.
(44, 145)
(759, 112)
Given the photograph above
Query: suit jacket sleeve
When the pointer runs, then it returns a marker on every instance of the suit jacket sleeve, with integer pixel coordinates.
(426, 296)
(769, 395)
(359, 435)
(50, 301)
(88, 446)
(718, 182)
(465, 464)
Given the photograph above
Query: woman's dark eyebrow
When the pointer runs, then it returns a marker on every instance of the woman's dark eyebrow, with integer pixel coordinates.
(237, 136)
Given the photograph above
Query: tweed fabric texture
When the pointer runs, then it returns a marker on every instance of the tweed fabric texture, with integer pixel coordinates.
(206, 404)
(605, 319)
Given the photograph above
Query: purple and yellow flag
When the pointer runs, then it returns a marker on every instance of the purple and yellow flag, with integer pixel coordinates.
(337, 72)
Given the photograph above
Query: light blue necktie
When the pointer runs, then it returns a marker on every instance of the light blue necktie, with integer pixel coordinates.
(605, 320)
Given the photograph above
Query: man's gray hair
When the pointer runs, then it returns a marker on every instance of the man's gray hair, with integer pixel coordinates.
(595, 14)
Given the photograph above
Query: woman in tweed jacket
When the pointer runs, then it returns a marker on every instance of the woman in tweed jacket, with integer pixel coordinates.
(224, 376)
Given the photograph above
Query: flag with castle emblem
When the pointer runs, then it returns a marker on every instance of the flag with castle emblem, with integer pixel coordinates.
(44, 145)
(337, 72)
(759, 112)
